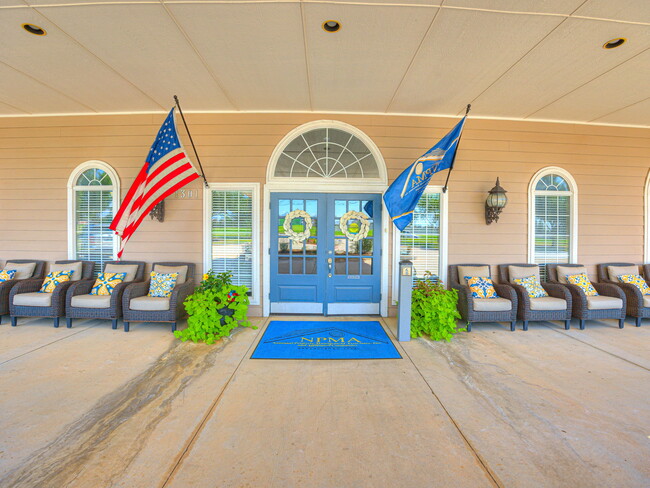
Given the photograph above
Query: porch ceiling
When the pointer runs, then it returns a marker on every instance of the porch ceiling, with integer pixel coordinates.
(520, 59)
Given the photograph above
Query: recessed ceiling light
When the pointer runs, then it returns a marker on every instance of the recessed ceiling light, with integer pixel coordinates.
(331, 26)
(619, 41)
(34, 29)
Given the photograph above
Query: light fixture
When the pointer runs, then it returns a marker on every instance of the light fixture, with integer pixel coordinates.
(331, 26)
(613, 43)
(34, 29)
(495, 202)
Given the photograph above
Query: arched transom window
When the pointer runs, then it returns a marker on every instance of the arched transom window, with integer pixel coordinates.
(552, 204)
(93, 197)
(334, 152)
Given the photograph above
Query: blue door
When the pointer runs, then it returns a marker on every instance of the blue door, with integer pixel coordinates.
(325, 253)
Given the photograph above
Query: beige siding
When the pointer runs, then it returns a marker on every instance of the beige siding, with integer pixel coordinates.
(609, 164)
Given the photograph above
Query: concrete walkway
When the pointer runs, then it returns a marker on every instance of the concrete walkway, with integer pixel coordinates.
(93, 407)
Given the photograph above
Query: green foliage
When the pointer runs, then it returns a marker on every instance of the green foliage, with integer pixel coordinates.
(215, 293)
(434, 310)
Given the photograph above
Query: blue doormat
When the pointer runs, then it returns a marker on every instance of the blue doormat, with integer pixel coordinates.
(325, 340)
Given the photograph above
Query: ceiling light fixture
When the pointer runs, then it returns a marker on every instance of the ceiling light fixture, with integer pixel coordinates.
(34, 29)
(331, 26)
(614, 43)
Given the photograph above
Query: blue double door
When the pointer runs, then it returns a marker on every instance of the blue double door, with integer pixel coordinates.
(325, 253)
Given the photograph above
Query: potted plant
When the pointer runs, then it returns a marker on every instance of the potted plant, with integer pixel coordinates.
(434, 309)
(215, 308)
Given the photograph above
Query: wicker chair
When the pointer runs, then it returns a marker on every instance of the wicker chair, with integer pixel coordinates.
(6, 286)
(55, 306)
(557, 306)
(112, 310)
(172, 314)
(467, 304)
(637, 306)
(580, 301)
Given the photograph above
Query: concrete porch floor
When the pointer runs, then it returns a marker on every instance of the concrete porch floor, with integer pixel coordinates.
(93, 407)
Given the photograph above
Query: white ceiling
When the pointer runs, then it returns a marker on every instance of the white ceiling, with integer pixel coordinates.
(519, 59)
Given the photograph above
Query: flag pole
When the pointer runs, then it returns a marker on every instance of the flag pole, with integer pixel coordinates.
(178, 104)
(444, 188)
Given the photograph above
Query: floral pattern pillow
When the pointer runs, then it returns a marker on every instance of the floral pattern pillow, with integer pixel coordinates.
(106, 283)
(7, 274)
(636, 280)
(532, 286)
(162, 284)
(582, 280)
(54, 279)
(481, 287)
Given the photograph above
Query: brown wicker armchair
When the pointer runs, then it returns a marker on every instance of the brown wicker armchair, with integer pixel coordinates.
(26, 301)
(637, 304)
(80, 304)
(138, 307)
(610, 304)
(473, 310)
(557, 306)
(6, 286)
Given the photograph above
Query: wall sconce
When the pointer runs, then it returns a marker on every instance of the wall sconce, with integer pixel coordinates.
(158, 212)
(495, 202)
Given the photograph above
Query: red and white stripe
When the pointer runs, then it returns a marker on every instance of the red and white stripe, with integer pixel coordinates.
(170, 173)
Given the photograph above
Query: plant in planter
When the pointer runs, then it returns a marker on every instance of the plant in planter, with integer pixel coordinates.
(434, 310)
(215, 308)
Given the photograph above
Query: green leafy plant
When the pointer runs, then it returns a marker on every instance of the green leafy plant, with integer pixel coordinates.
(434, 310)
(215, 308)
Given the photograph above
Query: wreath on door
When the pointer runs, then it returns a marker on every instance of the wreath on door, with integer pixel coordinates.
(364, 225)
(293, 235)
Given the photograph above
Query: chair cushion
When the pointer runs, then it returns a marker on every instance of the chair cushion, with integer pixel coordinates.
(519, 272)
(481, 287)
(149, 303)
(564, 271)
(91, 301)
(130, 269)
(603, 302)
(6, 275)
(181, 270)
(54, 279)
(636, 280)
(582, 280)
(76, 267)
(106, 283)
(33, 299)
(497, 304)
(463, 271)
(547, 303)
(23, 270)
(161, 285)
(532, 286)
(646, 300)
(615, 271)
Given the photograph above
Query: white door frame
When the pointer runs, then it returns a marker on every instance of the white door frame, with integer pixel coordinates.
(320, 186)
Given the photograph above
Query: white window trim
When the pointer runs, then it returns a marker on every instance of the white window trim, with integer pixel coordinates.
(573, 247)
(115, 188)
(444, 240)
(327, 124)
(207, 230)
(646, 220)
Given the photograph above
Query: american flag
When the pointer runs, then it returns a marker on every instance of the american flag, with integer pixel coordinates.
(167, 168)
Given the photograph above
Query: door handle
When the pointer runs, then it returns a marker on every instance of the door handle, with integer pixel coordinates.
(329, 266)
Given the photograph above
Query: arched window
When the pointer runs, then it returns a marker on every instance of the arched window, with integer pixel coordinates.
(552, 208)
(93, 198)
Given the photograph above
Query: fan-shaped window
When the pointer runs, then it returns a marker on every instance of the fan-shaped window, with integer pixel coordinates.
(328, 152)
(94, 177)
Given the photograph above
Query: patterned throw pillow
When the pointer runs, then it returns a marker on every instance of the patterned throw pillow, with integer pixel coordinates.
(54, 279)
(6, 275)
(162, 284)
(532, 286)
(582, 280)
(636, 280)
(106, 283)
(481, 287)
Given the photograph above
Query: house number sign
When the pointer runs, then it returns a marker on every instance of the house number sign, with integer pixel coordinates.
(186, 194)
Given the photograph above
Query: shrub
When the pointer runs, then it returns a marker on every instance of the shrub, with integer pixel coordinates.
(434, 310)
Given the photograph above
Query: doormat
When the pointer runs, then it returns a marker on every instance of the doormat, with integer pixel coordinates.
(325, 340)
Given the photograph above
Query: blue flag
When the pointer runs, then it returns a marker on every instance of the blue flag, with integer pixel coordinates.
(404, 193)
